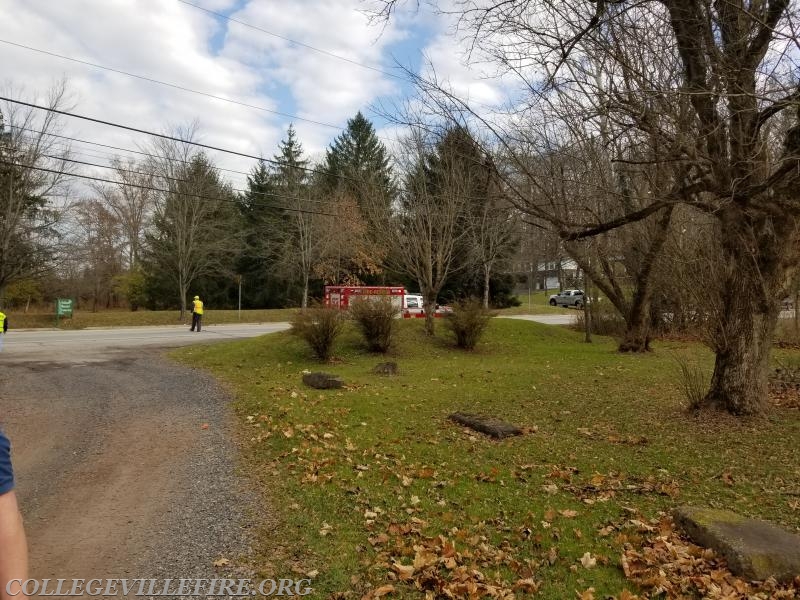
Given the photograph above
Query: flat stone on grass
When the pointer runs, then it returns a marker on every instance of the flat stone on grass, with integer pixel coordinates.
(754, 549)
(489, 425)
(322, 381)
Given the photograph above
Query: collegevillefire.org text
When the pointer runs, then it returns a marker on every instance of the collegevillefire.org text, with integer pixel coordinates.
(233, 588)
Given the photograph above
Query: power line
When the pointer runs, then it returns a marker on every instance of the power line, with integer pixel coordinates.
(171, 85)
(119, 148)
(295, 42)
(176, 179)
(174, 139)
(153, 188)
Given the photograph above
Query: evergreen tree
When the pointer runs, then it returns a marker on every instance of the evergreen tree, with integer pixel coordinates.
(262, 286)
(292, 171)
(357, 163)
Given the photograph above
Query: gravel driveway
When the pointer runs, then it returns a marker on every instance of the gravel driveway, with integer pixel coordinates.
(117, 475)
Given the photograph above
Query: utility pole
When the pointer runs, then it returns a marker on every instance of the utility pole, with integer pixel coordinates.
(587, 314)
(240, 297)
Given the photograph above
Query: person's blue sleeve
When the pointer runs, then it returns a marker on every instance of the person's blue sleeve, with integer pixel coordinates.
(6, 472)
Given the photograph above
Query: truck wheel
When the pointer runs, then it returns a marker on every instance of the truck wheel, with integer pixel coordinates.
(578, 303)
(552, 302)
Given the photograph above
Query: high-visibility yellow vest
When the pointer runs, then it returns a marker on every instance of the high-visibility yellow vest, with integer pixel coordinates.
(198, 306)
(2, 320)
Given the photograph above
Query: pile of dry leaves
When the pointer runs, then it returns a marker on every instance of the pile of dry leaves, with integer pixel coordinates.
(667, 565)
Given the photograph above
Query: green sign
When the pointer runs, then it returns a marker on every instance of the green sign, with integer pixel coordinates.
(64, 307)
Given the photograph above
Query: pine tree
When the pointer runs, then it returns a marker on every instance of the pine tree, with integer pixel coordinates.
(357, 163)
(292, 170)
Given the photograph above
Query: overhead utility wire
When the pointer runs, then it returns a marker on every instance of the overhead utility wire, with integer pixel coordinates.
(155, 189)
(295, 42)
(171, 85)
(140, 152)
(173, 139)
(157, 176)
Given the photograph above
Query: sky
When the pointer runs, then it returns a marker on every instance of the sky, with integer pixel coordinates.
(173, 42)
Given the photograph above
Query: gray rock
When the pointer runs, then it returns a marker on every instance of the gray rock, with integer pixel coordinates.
(322, 381)
(387, 368)
(754, 549)
(489, 425)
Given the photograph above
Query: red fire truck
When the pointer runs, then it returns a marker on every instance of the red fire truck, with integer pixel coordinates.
(340, 296)
(409, 305)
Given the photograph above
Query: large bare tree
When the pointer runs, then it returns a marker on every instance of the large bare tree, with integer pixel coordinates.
(736, 61)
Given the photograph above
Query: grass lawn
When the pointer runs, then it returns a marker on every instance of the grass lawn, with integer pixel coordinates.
(127, 318)
(369, 480)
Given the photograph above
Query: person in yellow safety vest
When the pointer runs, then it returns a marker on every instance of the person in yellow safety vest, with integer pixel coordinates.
(197, 313)
(3, 328)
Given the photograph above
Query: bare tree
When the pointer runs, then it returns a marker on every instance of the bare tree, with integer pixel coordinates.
(736, 61)
(131, 201)
(33, 172)
(493, 233)
(98, 245)
(424, 231)
(194, 229)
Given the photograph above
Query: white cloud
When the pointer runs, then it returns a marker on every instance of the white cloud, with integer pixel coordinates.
(170, 41)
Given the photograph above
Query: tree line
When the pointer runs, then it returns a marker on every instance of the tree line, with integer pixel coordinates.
(168, 224)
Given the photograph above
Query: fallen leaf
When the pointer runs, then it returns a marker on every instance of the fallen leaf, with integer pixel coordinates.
(404, 572)
(204, 426)
(588, 561)
(379, 592)
(221, 562)
(569, 514)
(586, 595)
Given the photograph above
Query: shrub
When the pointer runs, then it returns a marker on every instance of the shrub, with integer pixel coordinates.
(694, 383)
(318, 326)
(606, 320)
(376, 321)
(467, 322)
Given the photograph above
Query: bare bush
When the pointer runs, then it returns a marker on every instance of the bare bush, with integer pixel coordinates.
(376, 321)
(694, 383)
(467, 323)
(605, 320)
(318, 326)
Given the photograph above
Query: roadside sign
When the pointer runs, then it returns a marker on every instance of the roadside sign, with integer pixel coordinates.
(64, 307)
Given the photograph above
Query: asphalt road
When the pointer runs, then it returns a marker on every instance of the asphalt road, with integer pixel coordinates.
(98, 345)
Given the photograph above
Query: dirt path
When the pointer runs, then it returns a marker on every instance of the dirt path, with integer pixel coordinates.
(116, 476)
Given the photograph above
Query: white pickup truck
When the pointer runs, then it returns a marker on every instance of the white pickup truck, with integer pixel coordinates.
(414, 306)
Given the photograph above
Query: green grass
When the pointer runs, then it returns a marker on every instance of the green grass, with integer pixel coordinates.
(127, 318)
(612, 438)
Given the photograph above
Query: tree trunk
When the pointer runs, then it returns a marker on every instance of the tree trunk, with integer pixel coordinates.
(637, 325)
(430, 312)
(487, 275)
(304, 301)
(739, 382)
(183, 291)
(752, 287)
